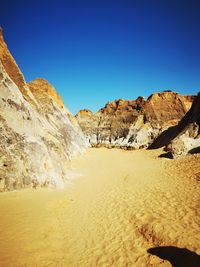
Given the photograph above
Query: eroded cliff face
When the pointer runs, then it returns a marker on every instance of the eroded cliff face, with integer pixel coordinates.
(45, 93)
(133, 124)
(11, 68)
(38, 134)
(186, 135)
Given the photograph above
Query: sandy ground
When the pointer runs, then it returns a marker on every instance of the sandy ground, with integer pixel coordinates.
(118, 205)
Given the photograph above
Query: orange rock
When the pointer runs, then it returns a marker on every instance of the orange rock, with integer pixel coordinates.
(165, 107)
(10, 65)
(133, 123)
(41, 88)
(185, 137)
(38, 134)
(84, 113)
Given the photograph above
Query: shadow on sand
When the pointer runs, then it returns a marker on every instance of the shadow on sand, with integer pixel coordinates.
(178, 257)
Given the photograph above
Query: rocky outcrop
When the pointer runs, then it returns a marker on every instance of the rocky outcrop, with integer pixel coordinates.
(186, 135)
(13, 71)
(133, 124)
(45, 93)
(9, 64)
(38, 134)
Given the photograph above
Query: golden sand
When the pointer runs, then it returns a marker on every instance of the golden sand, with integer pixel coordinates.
(117, 206)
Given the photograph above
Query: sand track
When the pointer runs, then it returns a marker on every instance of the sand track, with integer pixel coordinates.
(124, 203)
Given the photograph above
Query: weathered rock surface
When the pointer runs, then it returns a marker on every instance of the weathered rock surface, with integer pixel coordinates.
(133, 124)
(186, 135)
(38, 135)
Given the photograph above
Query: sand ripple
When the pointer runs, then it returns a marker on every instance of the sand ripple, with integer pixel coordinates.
(124, 203)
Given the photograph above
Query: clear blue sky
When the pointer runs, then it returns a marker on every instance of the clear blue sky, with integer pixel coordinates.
(97, 51)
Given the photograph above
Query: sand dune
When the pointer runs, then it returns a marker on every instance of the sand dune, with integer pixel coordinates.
(118, 204)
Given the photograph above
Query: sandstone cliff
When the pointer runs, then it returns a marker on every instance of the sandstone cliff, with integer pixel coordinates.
(186, 135)
(38, 135)
(133, 124)
(13, 70)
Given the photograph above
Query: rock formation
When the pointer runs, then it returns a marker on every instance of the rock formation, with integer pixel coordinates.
(186, 135)
(38, 134)
(133, 124)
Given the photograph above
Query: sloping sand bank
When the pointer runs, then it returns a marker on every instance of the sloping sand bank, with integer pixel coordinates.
(119, 205)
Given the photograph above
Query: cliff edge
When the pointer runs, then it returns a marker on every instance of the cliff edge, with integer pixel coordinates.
(38, 134)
